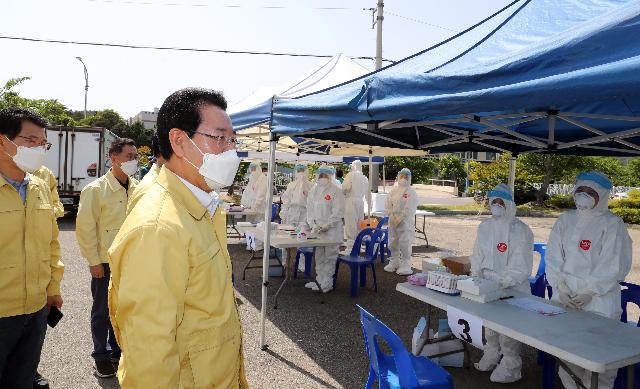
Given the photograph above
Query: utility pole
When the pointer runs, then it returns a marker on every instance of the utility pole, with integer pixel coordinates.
(377, 16)
(379, 20)
(86, 85)
(376, 22)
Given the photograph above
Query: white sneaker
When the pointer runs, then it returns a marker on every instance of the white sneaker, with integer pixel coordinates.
(392, 266)
(311, 285)
(404, 271)
(505, 375)
(488, 362)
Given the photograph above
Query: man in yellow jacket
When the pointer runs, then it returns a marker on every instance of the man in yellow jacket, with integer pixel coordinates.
(30, 267)
(102, 210)
(46, 175)
(148, 178)
(172, 304)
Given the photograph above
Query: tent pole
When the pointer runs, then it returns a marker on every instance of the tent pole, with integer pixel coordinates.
(512, 173)
(370, 184)
(267, 233)
(384, 185)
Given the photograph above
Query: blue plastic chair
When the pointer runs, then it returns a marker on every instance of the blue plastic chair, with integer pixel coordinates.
(275, 208)
(307, 252)
(384, 239)
(538, 283)
(629, 295)
(358, 264)
(401, 369)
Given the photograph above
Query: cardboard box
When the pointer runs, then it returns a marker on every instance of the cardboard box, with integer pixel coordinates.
(458, 265)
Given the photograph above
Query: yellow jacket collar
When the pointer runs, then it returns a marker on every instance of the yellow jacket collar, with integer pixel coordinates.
(113, 182)
(171, 182)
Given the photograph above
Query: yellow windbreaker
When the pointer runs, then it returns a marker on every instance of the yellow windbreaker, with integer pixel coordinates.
(142, 186)
(46, 175)
(30, 266)
(171, 300)
(102, 210)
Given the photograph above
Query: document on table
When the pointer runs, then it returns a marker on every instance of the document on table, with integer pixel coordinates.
(536, 306)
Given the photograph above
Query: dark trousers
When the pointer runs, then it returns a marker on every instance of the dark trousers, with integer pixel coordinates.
(21, 339)
(104, 341)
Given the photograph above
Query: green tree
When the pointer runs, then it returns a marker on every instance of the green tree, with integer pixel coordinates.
(451, 167)
(51, 109)
(486, 176)
(107, 118)
(421, 168)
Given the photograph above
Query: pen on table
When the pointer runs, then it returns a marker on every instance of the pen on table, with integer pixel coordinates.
(505, 298)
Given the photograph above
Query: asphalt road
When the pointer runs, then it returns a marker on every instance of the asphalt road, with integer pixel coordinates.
(311, 345)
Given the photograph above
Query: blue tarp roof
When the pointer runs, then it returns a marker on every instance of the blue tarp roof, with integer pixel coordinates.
(536, 66)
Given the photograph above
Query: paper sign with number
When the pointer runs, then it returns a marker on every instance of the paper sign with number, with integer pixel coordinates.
(465, 326)
(251, 241)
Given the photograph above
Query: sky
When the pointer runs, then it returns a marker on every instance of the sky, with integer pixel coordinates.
(133, 80)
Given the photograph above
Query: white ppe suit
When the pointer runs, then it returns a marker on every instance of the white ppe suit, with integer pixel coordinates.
(355, 188)
(294, 201)
(254, 196)
(325, 208)
(588, 253)
(401, 205)
(503, 252)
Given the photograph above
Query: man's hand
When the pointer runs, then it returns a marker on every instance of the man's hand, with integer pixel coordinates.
(54, 300)
(97, 271)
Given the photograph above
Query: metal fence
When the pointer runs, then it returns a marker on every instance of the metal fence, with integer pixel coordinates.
(567, 189)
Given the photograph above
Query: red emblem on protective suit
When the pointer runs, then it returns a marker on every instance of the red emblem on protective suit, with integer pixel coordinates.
(406, 195)
(502, 247)
(585, 244)
(327, 197)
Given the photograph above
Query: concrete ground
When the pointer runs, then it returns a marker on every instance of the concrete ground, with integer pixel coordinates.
(311, 345)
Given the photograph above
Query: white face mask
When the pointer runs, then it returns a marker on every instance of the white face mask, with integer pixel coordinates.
(29, 159)
(497, 210)
(130, 167)
(583, 201)
(403, 182)
(323, 181)
(301, 175)
(218, 170)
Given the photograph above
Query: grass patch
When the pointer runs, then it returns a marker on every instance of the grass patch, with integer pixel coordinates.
(464, 207)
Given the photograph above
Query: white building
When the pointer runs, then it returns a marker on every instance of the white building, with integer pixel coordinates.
(148, 118)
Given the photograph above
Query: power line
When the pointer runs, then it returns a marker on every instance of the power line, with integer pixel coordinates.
(420, 21)
(170, 4)
(170, 48)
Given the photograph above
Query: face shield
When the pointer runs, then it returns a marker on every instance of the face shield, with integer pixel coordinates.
(323, 175)
(300, 171)
(254, 167)
(404, 177)
(591, 193)
(501, 202)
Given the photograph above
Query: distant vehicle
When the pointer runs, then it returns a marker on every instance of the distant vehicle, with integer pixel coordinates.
(620, 195)
(78, 156)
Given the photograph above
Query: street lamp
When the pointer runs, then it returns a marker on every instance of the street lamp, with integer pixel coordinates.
(86, 85)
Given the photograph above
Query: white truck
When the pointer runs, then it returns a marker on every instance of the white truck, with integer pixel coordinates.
(78, 156)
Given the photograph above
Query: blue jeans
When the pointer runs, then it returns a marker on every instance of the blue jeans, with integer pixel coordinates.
(104, 341)
(21, 339)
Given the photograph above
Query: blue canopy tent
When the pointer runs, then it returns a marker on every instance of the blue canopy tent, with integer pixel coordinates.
(549, 76)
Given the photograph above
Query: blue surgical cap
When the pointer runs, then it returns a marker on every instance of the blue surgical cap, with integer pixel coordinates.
(501, 191)
(324, 169)
(596, 177)
(300, 166)
(405, 171)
